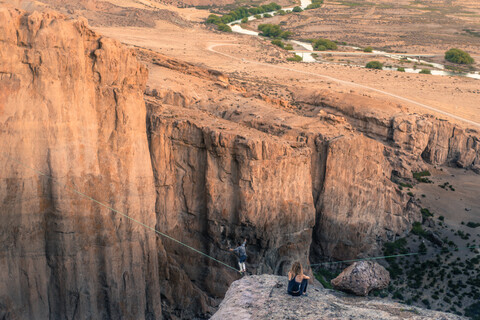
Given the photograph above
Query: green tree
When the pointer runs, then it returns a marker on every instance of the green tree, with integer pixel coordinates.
(318, 44)
(224, 27)
(297, 9)
(273, 31)
(458, 56)
(295, 58)
(374, 65)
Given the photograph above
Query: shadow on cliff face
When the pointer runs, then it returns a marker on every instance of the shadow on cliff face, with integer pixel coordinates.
(217, 183)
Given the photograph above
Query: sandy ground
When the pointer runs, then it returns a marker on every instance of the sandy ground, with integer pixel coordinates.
(456, 95)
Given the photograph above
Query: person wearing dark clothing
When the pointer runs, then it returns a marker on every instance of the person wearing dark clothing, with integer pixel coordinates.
(297, 281)
(241, 253)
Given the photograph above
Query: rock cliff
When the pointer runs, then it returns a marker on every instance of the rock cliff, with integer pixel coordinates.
(71, 106)
(208, 163)
(265, 297)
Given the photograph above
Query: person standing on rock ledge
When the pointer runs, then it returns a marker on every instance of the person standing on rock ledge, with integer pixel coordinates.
(241, 253)
(297, 281)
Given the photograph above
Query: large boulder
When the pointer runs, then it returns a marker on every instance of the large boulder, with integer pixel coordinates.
(362, 277)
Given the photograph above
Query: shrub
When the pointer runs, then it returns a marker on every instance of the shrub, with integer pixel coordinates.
(244, 20)
(267, 15)
(425, 71)
(295, 58)
(473, 311)
(426, 213)
(328, 44)
(297, 9)
(420, 176)
(281, 12)
(417, 229)
(401, 69)
(473, 224)
(368, 49)
(288, 47)
(278, 43)
(374, 65)
(258, 16)
(321, 48)
(441, 218)
(458, 56)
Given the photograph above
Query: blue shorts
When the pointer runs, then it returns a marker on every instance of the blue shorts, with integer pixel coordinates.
(242, 259)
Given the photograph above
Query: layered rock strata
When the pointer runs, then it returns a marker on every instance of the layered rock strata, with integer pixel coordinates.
(71, 106)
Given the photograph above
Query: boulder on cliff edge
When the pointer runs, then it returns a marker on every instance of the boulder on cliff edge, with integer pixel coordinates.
(362, 277)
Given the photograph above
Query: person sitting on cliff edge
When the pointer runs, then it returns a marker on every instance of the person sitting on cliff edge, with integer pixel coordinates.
(241, 253)
(297, 281)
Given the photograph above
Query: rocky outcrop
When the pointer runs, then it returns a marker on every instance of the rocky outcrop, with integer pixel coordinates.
(71, 106)
(416, 139)
(362, 277)
(265, 297)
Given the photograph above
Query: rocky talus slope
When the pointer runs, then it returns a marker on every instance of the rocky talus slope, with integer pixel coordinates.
(265, 297)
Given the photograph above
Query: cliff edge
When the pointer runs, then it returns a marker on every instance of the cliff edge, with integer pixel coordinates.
(265, 297)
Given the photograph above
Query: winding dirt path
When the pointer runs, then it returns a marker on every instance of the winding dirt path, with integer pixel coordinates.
(351, 84)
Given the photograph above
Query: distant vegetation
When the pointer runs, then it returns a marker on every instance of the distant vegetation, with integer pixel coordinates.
(368, 49)
(421, 176)
(314, 5)
(401, 69)
(282, 45)
(295, 58)
(273, 31)
(297, 9)
(323, 44)
(425, 71)
(224, 27)
(374, 65)
(458, 56)
(241, 13)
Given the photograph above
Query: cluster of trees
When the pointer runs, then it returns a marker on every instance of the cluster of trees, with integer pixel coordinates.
(323, 44)
(273, 31)
(314, 5)
(241, 13)
(458, 56)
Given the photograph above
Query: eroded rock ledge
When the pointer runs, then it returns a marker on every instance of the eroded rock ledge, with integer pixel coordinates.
(265, 297)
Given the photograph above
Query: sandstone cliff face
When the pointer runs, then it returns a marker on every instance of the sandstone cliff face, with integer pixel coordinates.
(71, 105)
(218, 182)
(265, 297)
(415, 138)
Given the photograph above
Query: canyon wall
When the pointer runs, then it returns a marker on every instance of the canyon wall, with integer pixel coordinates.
(207, 162)
(74, 123)
(218, 182)
(412, 139)
(71, 106)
